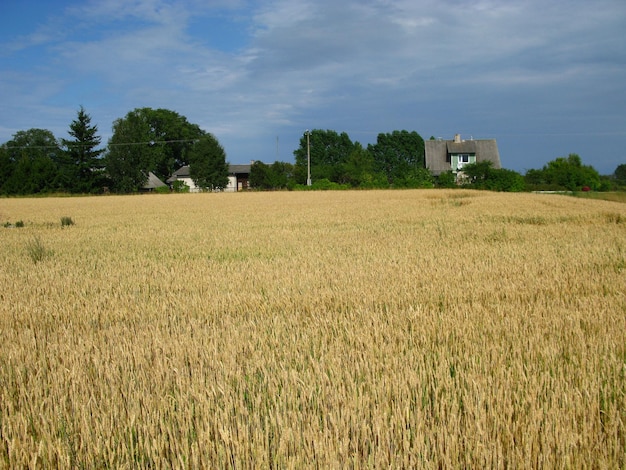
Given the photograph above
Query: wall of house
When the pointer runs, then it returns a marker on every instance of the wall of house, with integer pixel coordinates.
(456, 165)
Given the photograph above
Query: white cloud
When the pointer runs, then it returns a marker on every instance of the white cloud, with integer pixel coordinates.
(368, 65)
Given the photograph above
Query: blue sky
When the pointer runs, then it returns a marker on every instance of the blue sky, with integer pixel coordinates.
(543, 78)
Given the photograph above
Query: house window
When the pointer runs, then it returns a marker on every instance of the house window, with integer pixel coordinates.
(463, 159)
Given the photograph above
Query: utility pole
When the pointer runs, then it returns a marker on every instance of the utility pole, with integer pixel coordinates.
(308, 157)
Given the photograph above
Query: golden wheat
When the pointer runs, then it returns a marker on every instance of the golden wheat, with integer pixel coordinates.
(333, 329)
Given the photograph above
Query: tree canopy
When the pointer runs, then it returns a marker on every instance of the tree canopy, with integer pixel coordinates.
(564, 173)
(207, 164)
(329, 151)
(399, 155)
(146, 139)
(29, 162)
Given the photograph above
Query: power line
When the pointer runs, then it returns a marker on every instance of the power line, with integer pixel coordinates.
(120, 144)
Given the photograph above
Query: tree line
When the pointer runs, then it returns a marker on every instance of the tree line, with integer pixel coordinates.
(161, 141)
(145, 140)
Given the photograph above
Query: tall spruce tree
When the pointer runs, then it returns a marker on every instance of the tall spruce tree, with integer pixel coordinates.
(80, 165)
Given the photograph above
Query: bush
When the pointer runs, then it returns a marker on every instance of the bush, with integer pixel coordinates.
(446, 180)
(36, 250)
(66, 221)
(180, 187)
(325, 185)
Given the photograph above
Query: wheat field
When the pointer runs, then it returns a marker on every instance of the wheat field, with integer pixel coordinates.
(353, 329)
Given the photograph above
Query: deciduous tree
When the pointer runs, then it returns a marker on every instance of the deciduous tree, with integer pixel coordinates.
(207, 164)
(29, 162)
(398, 155)
(145, 140)
(329, 151)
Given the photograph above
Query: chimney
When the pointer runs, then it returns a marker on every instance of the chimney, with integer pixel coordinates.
(457, 138)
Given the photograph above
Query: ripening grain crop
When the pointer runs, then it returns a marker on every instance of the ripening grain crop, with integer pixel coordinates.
(395, 329)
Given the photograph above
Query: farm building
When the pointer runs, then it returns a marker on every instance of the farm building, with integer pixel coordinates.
(445, 155)
(238, 177)
(153, 182)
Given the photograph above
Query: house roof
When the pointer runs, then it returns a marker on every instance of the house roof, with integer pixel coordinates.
(153, 182)
(461, 147)
(183, 171)
(437, 153)
(239, 169)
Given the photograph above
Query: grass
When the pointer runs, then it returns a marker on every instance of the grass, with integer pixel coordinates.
(615, 196)
(36, 249)
(333, 329)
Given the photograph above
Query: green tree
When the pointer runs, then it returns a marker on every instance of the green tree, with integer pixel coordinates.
(80, 166)
(259, 178)
(278, 175)
(145, 140)
(620, 174)
(329, 151)
(358, 170)
(569, 173)
(29, 162)
(400, 156)
(207, 164)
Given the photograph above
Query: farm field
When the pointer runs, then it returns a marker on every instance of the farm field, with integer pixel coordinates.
(358, 329)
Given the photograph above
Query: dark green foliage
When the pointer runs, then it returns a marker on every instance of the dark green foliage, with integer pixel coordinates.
(323, 184)
(80, 166)
(620, 174)
(278, 175)
(446, 180)
(329, 152)
(358, 170)
(29, 162)
(66, 221)
(563, 174)
(145, 140)
(207, 164)
(415, 178)
(162, 190)
(398, 155)
(179, 186)
(481, 175)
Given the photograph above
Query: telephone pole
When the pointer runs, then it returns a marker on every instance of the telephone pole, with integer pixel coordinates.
(308, 157)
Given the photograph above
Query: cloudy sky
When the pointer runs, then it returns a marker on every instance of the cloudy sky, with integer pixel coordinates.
(545, 78)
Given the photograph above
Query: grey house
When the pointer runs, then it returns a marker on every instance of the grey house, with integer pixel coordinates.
(446, 155)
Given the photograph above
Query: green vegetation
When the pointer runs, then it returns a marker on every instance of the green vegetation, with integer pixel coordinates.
(160, 141)
(36, 250)
(66, 221)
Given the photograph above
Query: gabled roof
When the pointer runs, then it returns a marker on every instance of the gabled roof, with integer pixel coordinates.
(437, 153)
(153, 182)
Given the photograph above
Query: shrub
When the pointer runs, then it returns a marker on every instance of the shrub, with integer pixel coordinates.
(447, 180)
(180, 187)
(36, 250)
(66, 221)
(19, 223)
